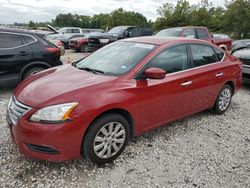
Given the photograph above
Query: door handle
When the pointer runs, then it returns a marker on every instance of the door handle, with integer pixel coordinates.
(220, 74)
(186, 83)
(24, 53)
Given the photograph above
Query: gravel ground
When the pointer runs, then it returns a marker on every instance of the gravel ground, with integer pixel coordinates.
(204, 150)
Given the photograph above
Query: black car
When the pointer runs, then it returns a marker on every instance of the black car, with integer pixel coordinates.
(241, 50)
(23, 53)
(120, 32)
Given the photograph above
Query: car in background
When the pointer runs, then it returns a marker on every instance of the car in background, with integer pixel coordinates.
(94, 106)
(199, 33)
(81, 44)
(120, 32)
(65, 34)
(241, 50)
(24, 53)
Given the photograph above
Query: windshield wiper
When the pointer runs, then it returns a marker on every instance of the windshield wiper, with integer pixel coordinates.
(95, 71)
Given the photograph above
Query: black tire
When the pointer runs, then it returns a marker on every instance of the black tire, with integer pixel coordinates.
(84, 48)
(218, 109)
(95, 129)
(32, 71)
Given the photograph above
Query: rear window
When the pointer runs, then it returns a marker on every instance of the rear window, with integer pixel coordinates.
(9, 40)
(202, 55)
(202, 33)
(174, 32)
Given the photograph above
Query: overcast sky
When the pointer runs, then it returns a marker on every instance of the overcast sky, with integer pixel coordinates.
(22, 11)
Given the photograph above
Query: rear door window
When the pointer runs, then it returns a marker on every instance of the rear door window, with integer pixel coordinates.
(202, 34)
(172, 60)
(202, 55)
(189, 33)
(28, 39)
(8, 40)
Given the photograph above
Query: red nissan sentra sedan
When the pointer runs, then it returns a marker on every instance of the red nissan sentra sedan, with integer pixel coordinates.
(94, 106)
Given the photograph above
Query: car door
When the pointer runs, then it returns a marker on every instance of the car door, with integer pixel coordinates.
(14, 54)
(166, 99)
(207, 78)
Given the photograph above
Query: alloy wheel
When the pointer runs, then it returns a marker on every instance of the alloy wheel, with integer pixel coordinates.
(109, 140)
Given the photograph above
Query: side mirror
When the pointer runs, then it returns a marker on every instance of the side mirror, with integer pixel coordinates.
(154, 73)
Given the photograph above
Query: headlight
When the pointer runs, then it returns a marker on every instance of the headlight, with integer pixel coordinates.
(54, 114)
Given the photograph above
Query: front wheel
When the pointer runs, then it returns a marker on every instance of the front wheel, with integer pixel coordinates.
(106, 138)
(84, 48)
(223, 100)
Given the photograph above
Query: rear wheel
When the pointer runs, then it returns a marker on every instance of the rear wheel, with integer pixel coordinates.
(32, 71)
(106, 138)
(223, 100)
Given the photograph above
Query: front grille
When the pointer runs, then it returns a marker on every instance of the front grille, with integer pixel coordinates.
(245, 61)
(16, 110)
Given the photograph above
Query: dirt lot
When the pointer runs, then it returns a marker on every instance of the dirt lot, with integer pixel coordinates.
(200, 151)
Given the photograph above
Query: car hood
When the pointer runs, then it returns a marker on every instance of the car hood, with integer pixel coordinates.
(59, 85)
(244, 53)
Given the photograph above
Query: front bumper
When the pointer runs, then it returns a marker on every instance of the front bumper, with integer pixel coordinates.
(51, 142)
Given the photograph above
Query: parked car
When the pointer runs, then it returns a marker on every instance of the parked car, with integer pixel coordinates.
(241, 50)
(101, 39)
(93, 107)
(23, 53)
(199, 33)
(81, 44)
(65, 34)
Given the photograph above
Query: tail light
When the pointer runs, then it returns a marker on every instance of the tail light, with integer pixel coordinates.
(55, 51)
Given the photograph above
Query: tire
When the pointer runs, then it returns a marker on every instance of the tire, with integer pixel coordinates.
(101, 147)
(84, 48)
(32, 71)
(223, 100)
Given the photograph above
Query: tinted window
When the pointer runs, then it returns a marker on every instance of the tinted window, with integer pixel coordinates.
(75, 31)
(219, 54)
(189, 33)
(202, 55)
(28, 39)
(9, 40)
(172, 60)
(202, 33)
(68, 31)
(135, 32)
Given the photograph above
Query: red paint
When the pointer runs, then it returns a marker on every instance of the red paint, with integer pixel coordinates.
(151, 103)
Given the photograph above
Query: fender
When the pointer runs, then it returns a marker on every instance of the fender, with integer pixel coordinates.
(37, 63)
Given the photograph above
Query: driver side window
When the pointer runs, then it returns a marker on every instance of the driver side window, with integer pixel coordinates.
(172, 60)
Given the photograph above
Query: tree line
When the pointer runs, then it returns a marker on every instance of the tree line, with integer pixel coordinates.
(234, 18)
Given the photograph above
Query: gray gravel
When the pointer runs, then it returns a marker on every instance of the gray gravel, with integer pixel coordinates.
(200, 151)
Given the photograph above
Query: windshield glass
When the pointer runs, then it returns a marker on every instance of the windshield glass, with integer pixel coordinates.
(117, 30)
(174, 32)
(117, 58)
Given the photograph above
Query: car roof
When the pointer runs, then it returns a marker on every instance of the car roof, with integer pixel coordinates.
(186, 27)
(15, 30)
(163, 40)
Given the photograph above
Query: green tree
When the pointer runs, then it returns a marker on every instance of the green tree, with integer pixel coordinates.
(237, 18)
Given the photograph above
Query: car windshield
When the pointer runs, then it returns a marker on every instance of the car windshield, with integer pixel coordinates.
(117, 30)
(115, 59)
(174, 32)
